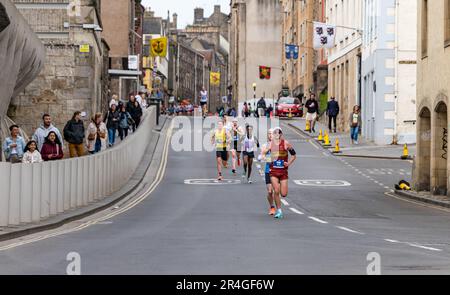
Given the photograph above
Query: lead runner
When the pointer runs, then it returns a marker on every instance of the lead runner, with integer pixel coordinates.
(280, 163)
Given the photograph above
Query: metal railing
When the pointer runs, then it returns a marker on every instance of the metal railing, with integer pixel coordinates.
(33, 192)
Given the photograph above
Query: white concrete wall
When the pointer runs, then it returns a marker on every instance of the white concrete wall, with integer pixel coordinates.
(33, 192)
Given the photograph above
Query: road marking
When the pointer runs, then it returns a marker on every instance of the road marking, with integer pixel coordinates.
(424, 247)
(296, 211)
(350, 230)
(392, 241)
(211, 181)
(318, 220)
(323, 183)
(159, 177)
(285, 203)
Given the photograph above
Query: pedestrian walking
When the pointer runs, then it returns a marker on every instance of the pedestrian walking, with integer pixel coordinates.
(125, 121)
(332, 112)
(313, 111)
(135, 110)
(31, 155)
(42, 132)
(14, 145)
(355, 124)
(112, 124)
(261, 106)
(96, 135)
(114, 100)
(52, 148)
(74, 135)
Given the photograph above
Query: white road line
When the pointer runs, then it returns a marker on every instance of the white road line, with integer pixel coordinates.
(318, 220)
(350, 230)
(296, 211)
(424, 247)
(386, 187)
(285, 203)
(392, 241)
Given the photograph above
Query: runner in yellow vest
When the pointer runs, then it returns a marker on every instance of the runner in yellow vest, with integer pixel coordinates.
(221, 139)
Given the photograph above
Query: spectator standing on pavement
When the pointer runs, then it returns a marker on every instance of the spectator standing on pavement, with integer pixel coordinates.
(74, 135)
(42, 132)
(124, 122)
(313, 111)
(114, 100)
(355, 124)
(112, 124)
(14, 145)
(332, 112)
(135, 110)
(52, 148)
(96, 135)
(31, 154)
(246, 110)
(261, 106)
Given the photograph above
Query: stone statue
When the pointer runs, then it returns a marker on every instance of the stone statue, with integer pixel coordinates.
(22, 57)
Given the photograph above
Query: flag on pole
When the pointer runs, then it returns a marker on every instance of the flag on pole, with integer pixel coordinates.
(264, 72)
(158, 47)
(324, 35)
(214, 78)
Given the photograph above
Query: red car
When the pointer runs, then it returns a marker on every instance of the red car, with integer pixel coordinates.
(289, 107)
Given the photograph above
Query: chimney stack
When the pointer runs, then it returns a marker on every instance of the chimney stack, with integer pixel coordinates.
(216, 9)
(175, 21)
(198, 15)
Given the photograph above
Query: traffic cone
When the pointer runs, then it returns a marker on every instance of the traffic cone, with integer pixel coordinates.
(405, 155)
(337, 149)
(320, 138)
(308, 126)
(327, 140)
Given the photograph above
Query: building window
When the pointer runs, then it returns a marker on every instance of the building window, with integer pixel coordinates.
(447, 21)
(424, 28)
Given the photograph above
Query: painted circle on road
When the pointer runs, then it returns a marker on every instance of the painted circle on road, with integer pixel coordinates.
(211, 181)
(323, 183)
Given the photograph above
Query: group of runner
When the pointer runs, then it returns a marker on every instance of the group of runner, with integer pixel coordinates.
(230, 138)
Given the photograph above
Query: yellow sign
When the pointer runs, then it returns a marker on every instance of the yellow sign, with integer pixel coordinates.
(85, 48)
(158, 47)
(214, 78)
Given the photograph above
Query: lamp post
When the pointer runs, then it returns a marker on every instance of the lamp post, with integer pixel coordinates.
(254, 96)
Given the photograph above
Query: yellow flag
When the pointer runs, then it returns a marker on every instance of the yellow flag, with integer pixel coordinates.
(215, 78)
(158, 47)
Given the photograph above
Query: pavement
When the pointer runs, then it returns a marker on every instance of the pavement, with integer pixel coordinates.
(364, 149)
(339, 213)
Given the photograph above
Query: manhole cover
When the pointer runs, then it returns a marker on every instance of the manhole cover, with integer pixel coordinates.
(322, 183)
(211, 181)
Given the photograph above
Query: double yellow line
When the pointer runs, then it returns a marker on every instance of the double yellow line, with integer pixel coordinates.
(159, 177)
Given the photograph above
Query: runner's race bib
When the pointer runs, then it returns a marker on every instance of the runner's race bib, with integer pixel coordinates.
(278, 164)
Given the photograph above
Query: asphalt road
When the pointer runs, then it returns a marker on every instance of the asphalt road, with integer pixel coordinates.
(224, 229)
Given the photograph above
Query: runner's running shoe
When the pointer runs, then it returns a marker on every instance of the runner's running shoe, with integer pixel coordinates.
(272, 211)
(279, 214)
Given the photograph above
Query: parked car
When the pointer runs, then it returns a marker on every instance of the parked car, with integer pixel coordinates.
(289, 107)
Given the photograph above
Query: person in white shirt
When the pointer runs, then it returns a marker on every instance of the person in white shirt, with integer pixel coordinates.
(250, 145)
(139, 98)
(204, 101)
(114, 100)
(31, 154)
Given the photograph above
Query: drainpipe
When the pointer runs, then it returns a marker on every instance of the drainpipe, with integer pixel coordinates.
(396, 65)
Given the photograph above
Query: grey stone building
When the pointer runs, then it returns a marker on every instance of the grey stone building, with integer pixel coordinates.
(75, 76)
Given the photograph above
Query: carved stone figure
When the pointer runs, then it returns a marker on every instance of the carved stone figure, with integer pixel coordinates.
(22, 56)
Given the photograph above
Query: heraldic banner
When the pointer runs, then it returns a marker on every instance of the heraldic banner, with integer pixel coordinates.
(214, 78)
(264, 72)
(324, 35)
(158, 47)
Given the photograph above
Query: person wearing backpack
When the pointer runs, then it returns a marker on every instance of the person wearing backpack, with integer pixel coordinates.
(125, 121)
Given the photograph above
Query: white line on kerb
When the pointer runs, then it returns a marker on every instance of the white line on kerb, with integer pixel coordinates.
(296, 211)
(318, 220)
(350, 230)
(285, 203)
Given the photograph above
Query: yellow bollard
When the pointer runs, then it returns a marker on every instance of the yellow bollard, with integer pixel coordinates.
(320, 138)
(308, 126)
(327, 140)
(405, 155)
(337, 149)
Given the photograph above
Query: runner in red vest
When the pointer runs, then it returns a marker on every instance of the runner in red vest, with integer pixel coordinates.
(280, 163)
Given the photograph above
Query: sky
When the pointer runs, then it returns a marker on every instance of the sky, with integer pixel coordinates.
(185, 8)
